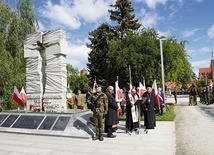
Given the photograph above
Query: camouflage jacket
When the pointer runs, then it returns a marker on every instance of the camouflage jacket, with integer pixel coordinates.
(99, 102)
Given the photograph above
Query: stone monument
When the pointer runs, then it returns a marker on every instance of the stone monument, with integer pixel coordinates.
(46, 73)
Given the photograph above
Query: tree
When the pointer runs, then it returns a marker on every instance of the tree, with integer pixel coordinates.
(142, 52)
(15, 24)
(75, 80)
(97, 60)
(125, 20)
(101, 37)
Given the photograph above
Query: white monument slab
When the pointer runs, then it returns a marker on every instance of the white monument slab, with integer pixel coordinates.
(46, 73)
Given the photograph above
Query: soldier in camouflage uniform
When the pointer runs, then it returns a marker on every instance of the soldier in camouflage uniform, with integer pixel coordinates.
(203, 94)
(207, 95)
(192, 95)
(98, 102)
(212, 96)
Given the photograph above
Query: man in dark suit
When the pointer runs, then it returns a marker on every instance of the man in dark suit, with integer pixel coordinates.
(111, 117)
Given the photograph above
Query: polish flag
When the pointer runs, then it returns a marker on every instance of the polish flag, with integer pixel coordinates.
(157, 96)
(118, 93)
(17, 98)
(142, 89)
(118, 96)
(23, 95)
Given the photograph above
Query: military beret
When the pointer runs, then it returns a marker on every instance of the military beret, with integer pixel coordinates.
(98, 85)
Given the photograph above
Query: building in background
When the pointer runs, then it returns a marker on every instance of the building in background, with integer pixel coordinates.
(84, 71)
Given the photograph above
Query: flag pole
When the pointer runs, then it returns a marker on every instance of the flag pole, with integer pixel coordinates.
(130, 78)
(144, 82)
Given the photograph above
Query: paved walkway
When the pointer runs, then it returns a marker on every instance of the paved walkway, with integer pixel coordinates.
(159, 141)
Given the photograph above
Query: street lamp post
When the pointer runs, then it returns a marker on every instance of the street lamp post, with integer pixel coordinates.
(162, 67)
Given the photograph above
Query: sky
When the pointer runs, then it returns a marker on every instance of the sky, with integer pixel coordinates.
(190, 20)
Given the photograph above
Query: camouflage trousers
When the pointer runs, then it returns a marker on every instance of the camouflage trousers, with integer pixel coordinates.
(192, 100)
(98, 121)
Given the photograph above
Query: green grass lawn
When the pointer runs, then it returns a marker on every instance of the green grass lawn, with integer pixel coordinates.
(169, 115)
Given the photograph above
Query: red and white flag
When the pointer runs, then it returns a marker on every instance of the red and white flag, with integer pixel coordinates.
(142, 89)
(118, 96)
(157, 96)
(23, 95)
(17, 98)
(118, 93)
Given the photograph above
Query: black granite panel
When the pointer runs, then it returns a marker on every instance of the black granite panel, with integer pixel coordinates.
(61, 123)
(48, 122)
(88, 117)
(2, 117)
(10, 120)
(28, 122)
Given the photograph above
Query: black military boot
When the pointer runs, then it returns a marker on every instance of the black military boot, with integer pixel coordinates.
(101, 137)
(95, 137)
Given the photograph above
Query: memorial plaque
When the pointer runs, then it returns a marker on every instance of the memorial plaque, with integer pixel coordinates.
(28, 122)
(78, 124)
(2, 117)
(88, 117)
(10, 120)
(61, 123)
(48, 122)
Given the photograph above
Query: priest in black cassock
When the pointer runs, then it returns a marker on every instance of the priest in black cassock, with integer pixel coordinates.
(150, 107)
(132, 115)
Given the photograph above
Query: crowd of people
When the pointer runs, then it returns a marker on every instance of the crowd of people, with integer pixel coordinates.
(206, 94)
(106, 109)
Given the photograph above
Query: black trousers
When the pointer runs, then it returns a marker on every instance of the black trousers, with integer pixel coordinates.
(109, 129)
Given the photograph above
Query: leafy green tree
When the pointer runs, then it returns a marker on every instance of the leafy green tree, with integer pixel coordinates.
(142, 52)
(122, 14)
(97, 60)
(99, 64)
(15, 24)
(76, 80)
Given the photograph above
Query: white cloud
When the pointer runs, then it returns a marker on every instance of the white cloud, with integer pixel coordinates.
(188, 33)
(149, 19)
(210, 32)
(200, 51)
(175, 7)
(199, 1)
(73, 13)
(201, 63)
(61, 14)
(152, 3)
(41, 26)
(78, 55)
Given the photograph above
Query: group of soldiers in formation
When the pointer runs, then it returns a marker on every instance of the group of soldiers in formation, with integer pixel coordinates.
(205, 93)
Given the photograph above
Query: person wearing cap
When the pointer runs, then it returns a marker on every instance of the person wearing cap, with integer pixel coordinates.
(150, 107)
(98, 102)
(111, 117)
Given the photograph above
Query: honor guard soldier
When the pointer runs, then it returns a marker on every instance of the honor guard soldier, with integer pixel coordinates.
(98, 102)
